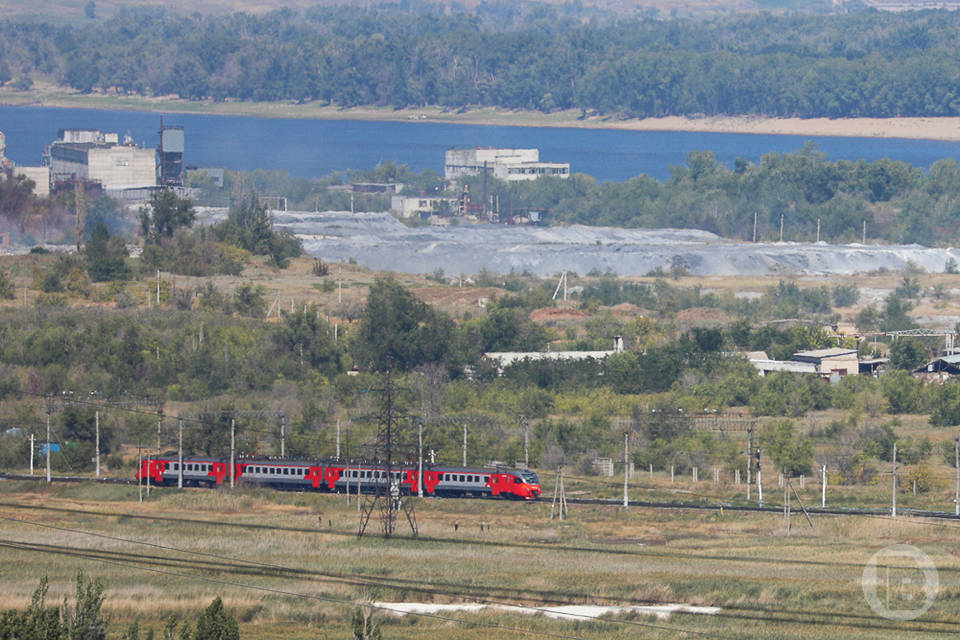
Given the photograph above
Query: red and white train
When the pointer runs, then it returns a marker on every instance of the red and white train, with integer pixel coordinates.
(340, 477)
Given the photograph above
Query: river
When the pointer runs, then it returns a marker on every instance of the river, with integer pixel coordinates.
(314, 148)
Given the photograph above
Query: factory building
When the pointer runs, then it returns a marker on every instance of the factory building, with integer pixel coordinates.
(39, 175)
(94, 156)
(504, 164)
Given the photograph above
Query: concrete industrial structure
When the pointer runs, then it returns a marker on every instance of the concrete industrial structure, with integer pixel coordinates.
(504, 164)
(95, 156)
(409, 206)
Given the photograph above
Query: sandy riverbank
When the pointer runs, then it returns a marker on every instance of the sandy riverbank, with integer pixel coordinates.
(915, 128)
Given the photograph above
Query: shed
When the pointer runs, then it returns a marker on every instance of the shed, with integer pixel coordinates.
(834, 361)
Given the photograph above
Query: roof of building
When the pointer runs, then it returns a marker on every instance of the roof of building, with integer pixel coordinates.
(832, 352)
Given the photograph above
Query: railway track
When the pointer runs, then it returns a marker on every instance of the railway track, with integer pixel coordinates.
(643, 504)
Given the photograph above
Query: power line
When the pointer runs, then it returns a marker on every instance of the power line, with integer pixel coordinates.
(241, 566)
(288, 569)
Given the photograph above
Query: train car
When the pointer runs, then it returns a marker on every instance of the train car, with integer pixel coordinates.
(340, 477)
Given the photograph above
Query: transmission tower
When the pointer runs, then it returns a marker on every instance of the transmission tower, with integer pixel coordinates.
(386, 498)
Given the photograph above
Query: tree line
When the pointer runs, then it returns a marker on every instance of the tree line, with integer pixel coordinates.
(875, 64)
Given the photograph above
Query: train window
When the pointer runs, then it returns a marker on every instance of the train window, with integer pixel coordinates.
(517, 481)
(486, 478)
(286, 472)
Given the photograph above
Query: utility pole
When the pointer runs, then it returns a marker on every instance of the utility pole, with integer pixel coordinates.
(759, 481)
(526, 440)
(338, 439)
(233, 442)
(823, 487)
(158, 287)
(31, 453)
(956, 466)
(818, 229)
(893, 473)
(754, 226)
(781, 227)
(180, 453)
(48, 443)
(786, 503)
(148, 475)
(140, 475)
(626, 467)
(749, 459)
(464, 444)
(283, 436)
(420, 458)
(96, 417)
(864, 231)
(159, 423)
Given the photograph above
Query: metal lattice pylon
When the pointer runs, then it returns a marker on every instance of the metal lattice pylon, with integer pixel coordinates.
(386, 495)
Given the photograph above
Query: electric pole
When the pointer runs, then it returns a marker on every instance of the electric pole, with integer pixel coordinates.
(420, 458)
(956, 466)
(749, 460)
(96, 415)
(180, 453)
(526, 440)
(626, 467)
(48, 442)
(464, 444)
(893, 473)
(759, 481)
(283, 436)
(233, 443)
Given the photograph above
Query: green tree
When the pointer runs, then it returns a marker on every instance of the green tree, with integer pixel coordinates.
(165, 213)
(249, 300)
(216, 623)
(249, 226)
(86, 621)
(106, 255)
(398, 330)
(790, 451)
(908, 353)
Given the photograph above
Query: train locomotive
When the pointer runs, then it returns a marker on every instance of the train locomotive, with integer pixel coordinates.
(340, 477)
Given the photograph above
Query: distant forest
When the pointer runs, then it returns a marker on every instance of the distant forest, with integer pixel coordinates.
(864, 64)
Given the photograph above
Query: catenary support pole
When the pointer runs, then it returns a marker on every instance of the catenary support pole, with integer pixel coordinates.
(96, 418)
(420, 458)
(140, 473)
(283, 435)
(956, 465)
(893, 504)
(338, 439)
(464, 444)
(823, 487)
(180, 453)
(31, 453)
(48, 444)
(626, 468)
(233, 444)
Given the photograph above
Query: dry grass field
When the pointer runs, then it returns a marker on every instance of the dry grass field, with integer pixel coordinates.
(290, 566)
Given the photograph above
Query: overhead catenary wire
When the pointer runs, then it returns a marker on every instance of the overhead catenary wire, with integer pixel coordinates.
(281, 567)
(760, 610)
(240, 566)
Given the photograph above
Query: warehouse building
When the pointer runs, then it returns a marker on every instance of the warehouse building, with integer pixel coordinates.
(503, 164)
(94, 156)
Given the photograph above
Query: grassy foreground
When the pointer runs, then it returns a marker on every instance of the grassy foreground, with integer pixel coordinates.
(289, 565)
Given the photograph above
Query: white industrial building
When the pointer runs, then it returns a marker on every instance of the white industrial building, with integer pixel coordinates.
(98, 157)
(503, 164)
(409, 206)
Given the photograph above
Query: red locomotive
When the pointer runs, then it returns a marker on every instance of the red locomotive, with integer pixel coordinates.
(340, 477)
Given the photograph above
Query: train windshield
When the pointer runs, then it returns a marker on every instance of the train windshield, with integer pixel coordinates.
(530, 477)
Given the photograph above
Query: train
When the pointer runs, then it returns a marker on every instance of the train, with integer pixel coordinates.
(335, 476)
